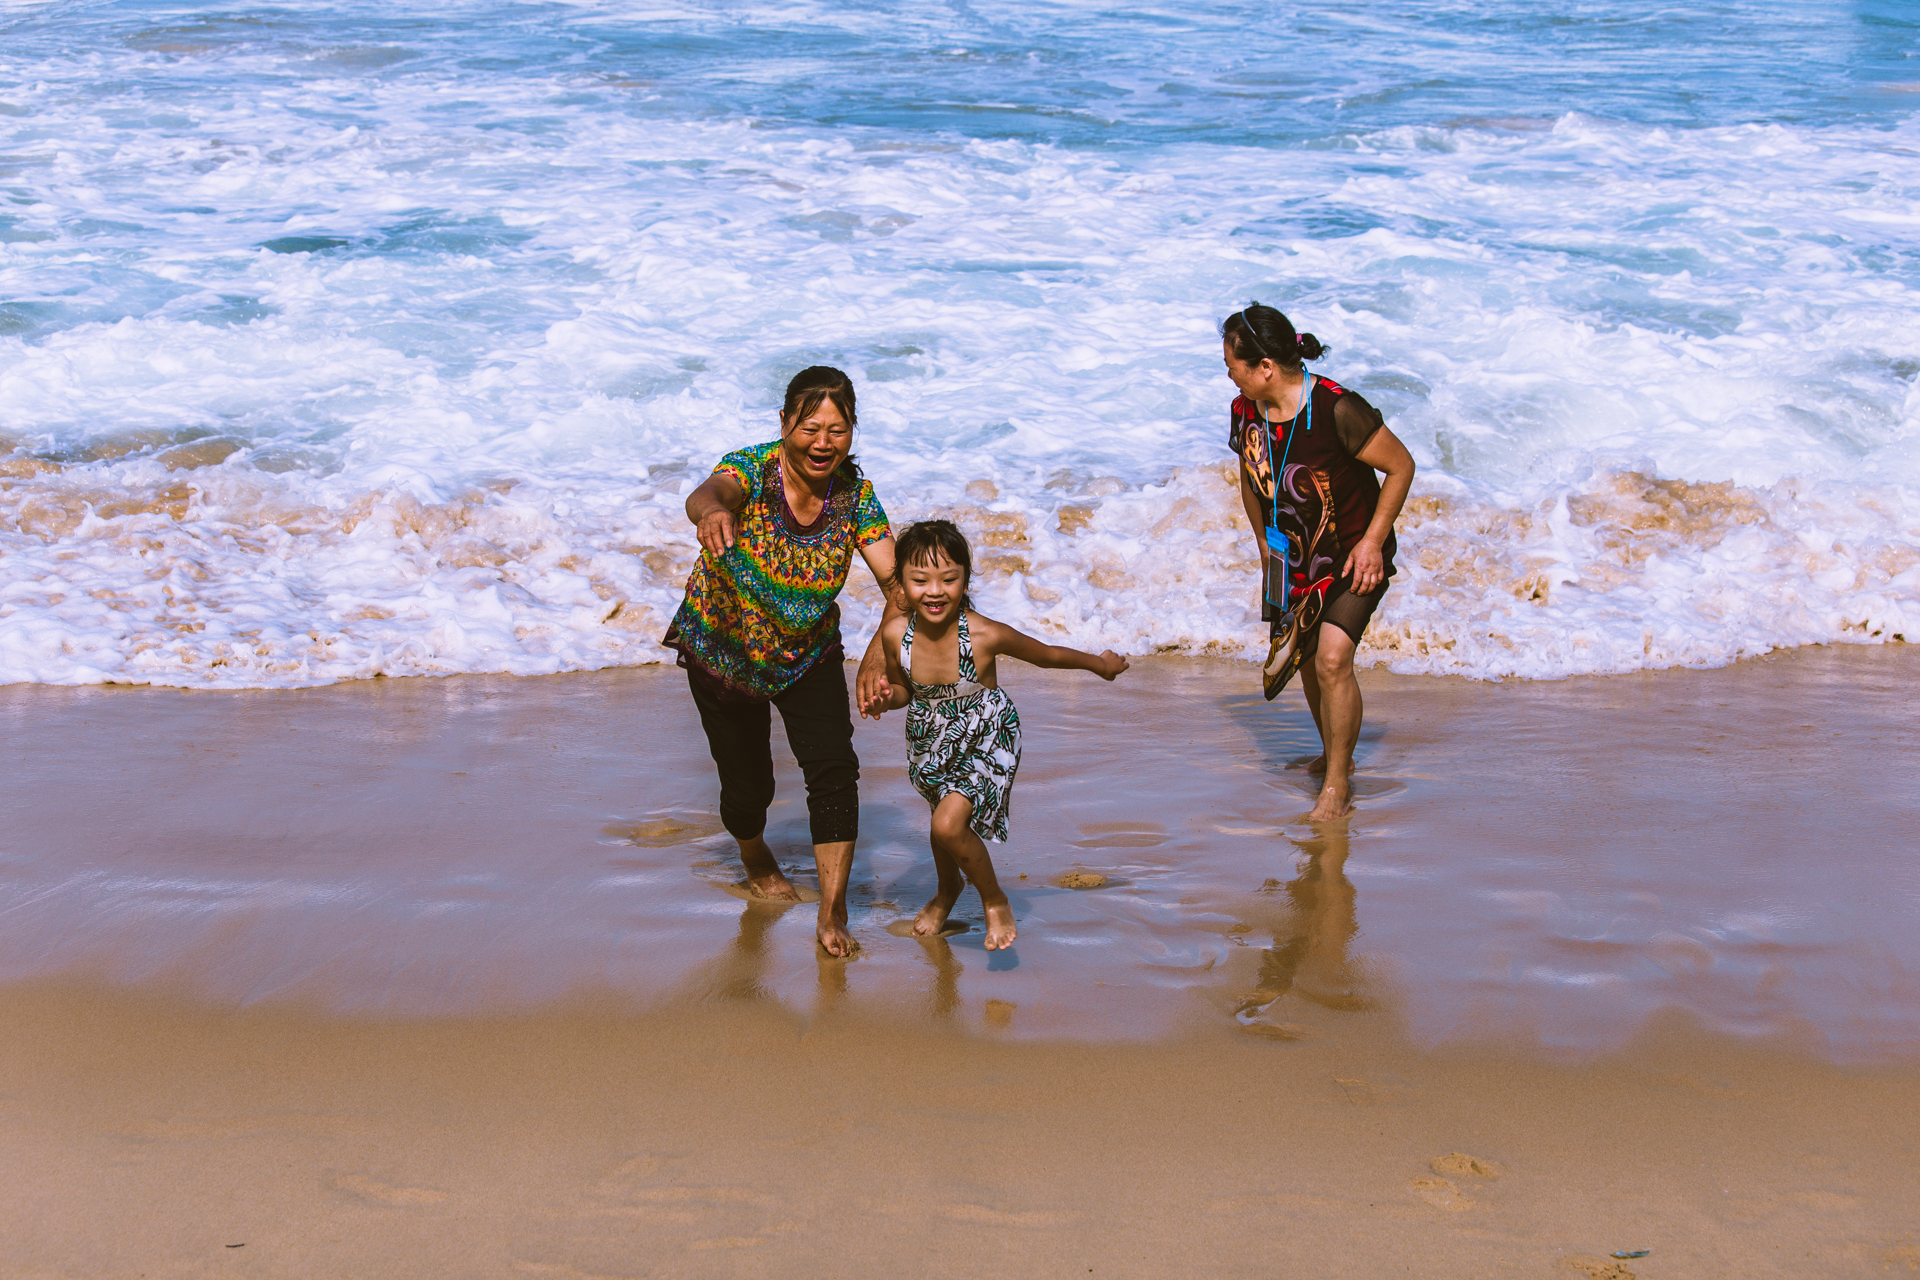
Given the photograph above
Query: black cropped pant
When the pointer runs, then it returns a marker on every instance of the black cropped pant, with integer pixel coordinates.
(819, 724)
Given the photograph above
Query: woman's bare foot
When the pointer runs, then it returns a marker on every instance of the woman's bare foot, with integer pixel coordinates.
(1000, 930)
(834, 938)
(1317, 765)
(1336, 801)
(764, 877)
(933, 917)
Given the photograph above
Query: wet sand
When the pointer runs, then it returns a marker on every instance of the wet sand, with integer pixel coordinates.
(442, 977)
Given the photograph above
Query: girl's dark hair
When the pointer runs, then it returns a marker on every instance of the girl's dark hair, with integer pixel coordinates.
(805, 392)
(1262, 333)
(930, 541)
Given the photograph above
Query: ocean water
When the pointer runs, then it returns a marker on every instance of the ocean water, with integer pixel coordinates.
(344, 339)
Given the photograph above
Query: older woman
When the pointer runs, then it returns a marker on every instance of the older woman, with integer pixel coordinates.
(778, 526)
(1324, 524)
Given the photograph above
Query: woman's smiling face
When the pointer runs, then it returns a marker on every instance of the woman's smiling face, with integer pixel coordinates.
(819, 442)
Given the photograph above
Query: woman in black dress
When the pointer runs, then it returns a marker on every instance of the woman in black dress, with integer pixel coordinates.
(1308, 451)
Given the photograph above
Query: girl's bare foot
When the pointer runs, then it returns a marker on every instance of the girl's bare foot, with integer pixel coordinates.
(1000, 930)
(933, 917)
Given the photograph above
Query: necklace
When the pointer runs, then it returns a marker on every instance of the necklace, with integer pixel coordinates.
(789, 522)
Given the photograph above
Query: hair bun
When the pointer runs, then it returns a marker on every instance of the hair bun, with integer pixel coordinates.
(1311, 348)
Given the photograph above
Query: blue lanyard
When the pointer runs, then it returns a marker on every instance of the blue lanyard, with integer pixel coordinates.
(1305, 410)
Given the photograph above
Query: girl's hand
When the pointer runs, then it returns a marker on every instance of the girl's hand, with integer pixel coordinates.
(716, 531)
(1109, 664)
(1366, 567)
(876, 697)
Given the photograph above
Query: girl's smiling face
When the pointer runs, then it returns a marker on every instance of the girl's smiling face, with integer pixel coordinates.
(934, 588)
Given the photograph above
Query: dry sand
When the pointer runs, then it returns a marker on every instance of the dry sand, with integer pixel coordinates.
(442, 979)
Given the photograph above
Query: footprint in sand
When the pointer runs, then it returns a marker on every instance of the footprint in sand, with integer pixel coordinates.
(1121, 835)
(372, 1191)
(663, 831)
(952, 928)
(1371, 1093)
(1277, 1030)
(739, 889)
(1458, 1164)
(1440, 1193)
(1082, 880)
(999, 1013)
(1599, 1268)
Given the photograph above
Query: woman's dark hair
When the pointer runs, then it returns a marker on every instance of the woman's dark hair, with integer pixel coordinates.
(805, 392)
(1262, 333)
(927, 542)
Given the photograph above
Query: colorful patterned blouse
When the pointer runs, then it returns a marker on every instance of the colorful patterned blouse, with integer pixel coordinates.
(756, 618)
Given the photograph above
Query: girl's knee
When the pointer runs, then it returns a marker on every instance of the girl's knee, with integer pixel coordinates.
(950, 825)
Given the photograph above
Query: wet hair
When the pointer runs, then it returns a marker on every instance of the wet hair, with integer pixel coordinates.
(1261, 333)
(928, 542)
(806, 391)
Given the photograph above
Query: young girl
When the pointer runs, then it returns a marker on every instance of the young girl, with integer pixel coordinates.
(963, 734)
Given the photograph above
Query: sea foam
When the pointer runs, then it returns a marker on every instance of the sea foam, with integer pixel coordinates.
(326, 355)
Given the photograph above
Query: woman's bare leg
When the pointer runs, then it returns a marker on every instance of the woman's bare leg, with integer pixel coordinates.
(956, 839)
(835, 862)
(1310, 685)
(1339, 711)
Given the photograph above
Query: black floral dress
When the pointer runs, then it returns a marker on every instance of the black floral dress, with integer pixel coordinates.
(962, 737)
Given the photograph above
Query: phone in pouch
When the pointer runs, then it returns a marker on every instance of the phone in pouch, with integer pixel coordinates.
(1279, 584)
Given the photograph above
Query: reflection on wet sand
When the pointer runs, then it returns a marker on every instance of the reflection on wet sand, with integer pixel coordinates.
(739, 973)
(746, 971)
(943, 989)
(1537, 865)
(1312, 935)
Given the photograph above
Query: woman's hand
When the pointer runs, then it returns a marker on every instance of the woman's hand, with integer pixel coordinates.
(711, 507)
(716, 531)
(1366, 566)
(1109, 664)
(1384, 453)
(874, 693)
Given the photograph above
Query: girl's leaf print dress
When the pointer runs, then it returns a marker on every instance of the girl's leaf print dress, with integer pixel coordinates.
(962, 737)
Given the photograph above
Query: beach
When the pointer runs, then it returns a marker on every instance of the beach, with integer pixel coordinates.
(440, 977)
(364, 903)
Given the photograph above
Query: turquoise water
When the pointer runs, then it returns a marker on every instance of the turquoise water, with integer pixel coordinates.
(338, 340)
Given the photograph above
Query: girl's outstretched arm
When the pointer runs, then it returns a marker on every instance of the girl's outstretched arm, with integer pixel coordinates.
(999, 638)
